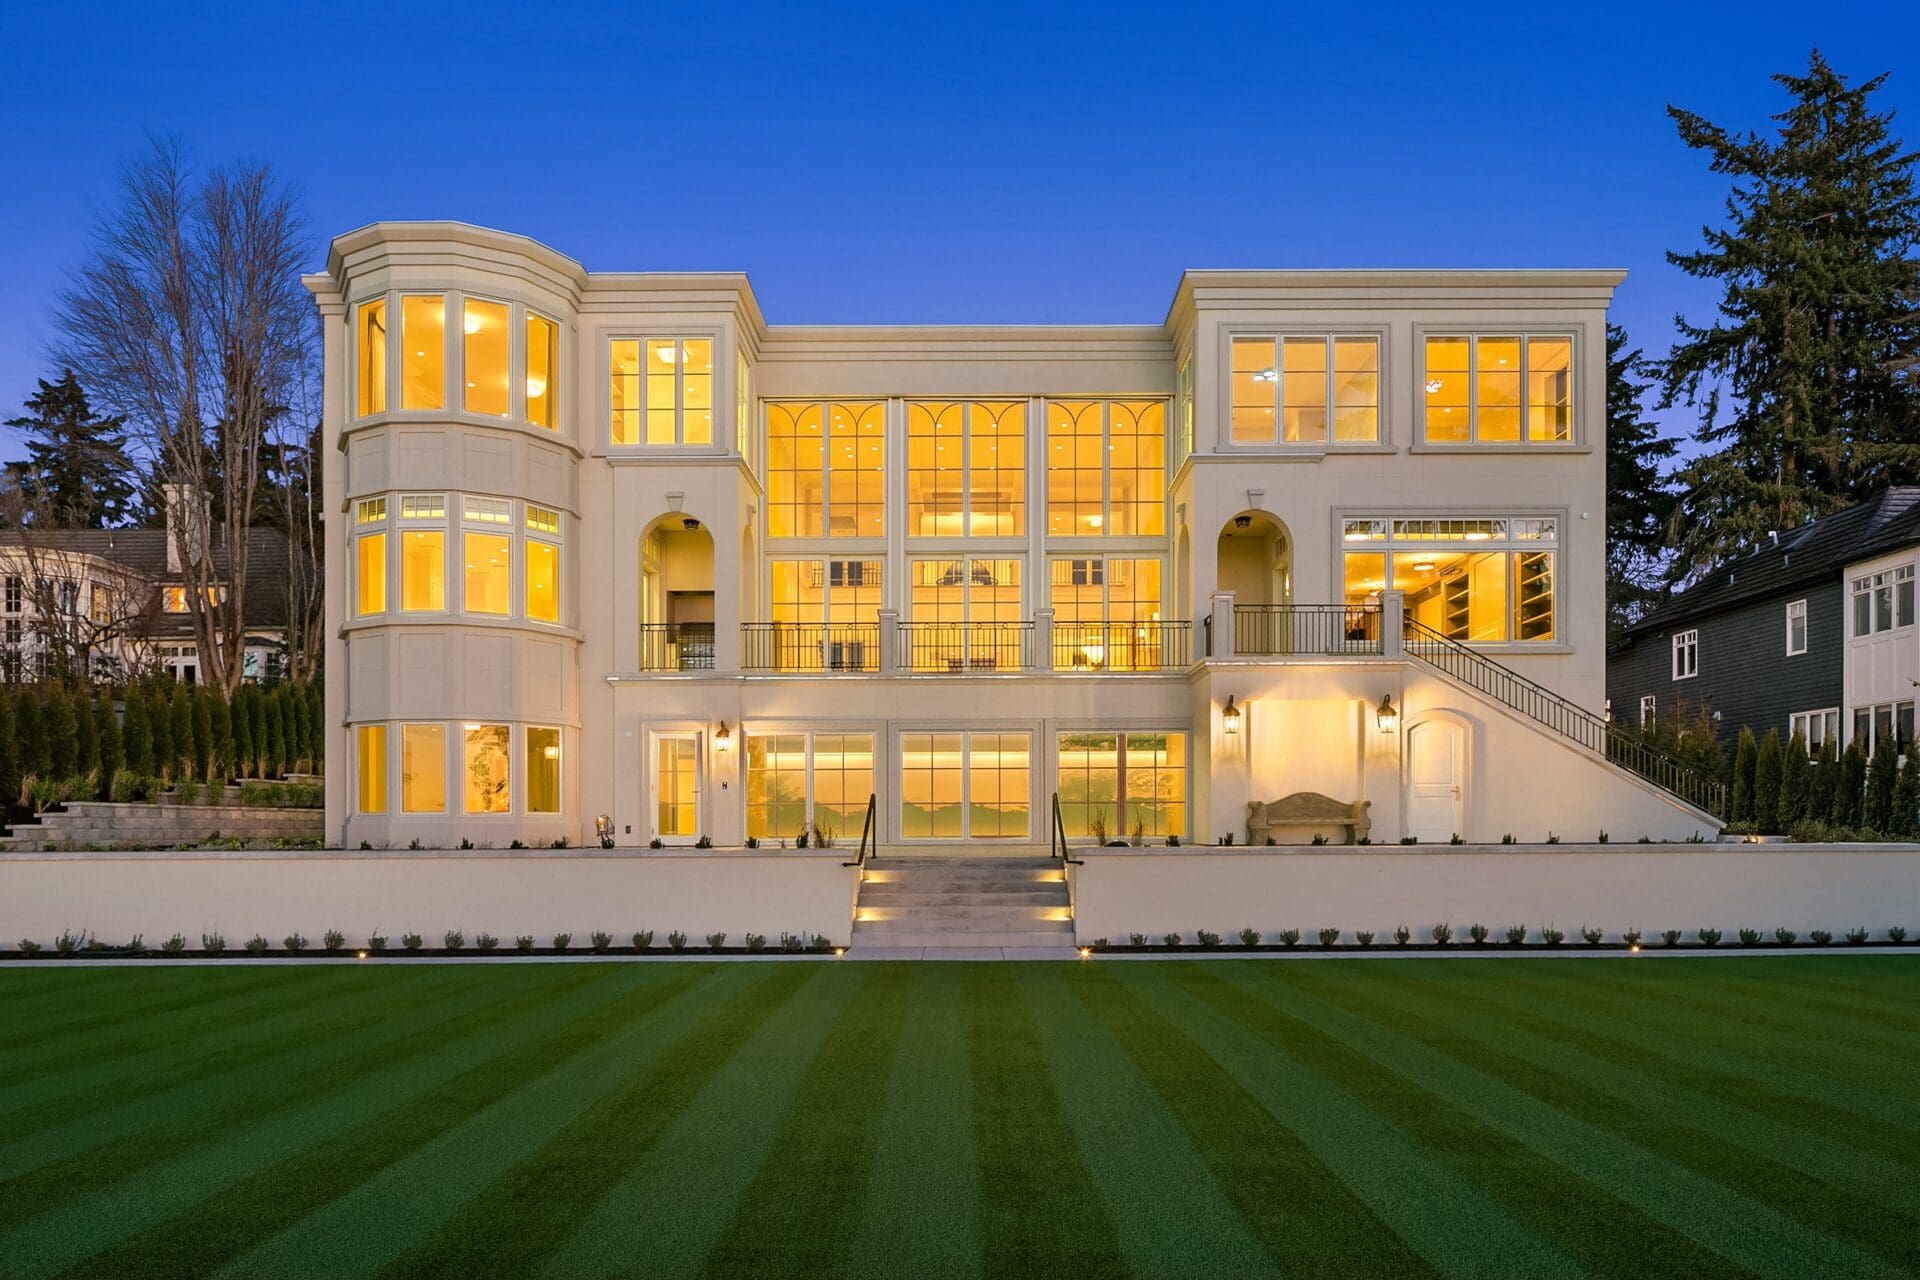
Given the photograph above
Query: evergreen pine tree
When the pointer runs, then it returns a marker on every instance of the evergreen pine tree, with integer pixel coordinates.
(1796, 771)
(1822, 782)
(1746, 758)
(1849, 789)
(1817, 284)
(1876, 809)
(294, 709)
(245, 758)
(57, 720)
(160, 730)
(202, 734)
(106, 726)
(137, 733)
(263, 760)
(1767, 770)
(276, 733)
(317, 722)
(77, 470)
(180, 731)
(1904, 823)
(222, 713)
(35, 761)
(9, 755)
(86, 742)
(1639, 501)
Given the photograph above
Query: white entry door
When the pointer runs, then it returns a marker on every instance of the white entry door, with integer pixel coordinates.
(676, 787)
(1435, 765)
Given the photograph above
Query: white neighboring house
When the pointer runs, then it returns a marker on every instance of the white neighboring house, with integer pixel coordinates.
(1882, 669)
(114, 602)
(609, 551)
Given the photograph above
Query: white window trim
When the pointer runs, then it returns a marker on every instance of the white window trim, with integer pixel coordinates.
(1649, 708)
(1687, 643)
(1827, 717)
(1576, 433)
(1390, 543)
(1801, 605)
(717, 443)
(1381, 442)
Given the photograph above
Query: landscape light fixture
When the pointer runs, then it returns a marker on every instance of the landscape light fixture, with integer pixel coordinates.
(1230, 717)
(1387, 714)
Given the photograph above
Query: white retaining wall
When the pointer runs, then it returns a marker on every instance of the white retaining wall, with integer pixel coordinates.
(1650, 887)
(538, 892)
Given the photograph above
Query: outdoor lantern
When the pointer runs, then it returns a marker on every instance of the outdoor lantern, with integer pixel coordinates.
(1388, 715)
(723, 738)
(1230, 717)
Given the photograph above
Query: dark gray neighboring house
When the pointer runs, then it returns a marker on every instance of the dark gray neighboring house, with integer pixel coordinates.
(1761, 640)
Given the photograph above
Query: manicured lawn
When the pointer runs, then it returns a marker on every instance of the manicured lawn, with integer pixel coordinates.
(1698, 1117)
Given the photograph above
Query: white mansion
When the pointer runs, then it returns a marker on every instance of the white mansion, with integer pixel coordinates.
(611, 553)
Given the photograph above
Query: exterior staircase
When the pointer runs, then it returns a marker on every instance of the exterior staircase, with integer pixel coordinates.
(963, 907)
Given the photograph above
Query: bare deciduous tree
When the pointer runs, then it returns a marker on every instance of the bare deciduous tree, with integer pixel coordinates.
(81, 612)
(188, 319)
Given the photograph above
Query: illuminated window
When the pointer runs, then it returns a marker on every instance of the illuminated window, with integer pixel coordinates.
(825, 470)
(796, 781)
(828, 611)
(966, 614)
(966, 469)
(1484, 580)
(423, 570)
(1106, 611)
(1498, 389)
(370, 367)
(173, 599)
(1106, 467)
(370, 511)
(1296, 390)
(423, 352)
(931, 786)
(662, 391)
(960, 786)
(487, 770)
(370, 574)
(542, 520)
(423, 768)
(487, 510)
(423, 506)
(543, 581)
(1116, 785)
(489, 572)
(543, 770)
(1183, 437)
(742, 408)
(543, 358)
(484, 347)
(370, 760)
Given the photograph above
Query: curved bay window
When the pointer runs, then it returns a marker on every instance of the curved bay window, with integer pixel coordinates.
(1480, 580)
(491, 372)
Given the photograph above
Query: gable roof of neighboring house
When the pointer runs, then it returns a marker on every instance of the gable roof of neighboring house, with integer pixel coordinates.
(144, 552)
(1815, 552)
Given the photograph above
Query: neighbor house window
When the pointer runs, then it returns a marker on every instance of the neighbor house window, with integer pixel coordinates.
(1499, 389)
(1305, 390)
(16, 594)
(1119, 783)
(662, 391)
(1646, 712)
(825, 474)
(796, 781)
(423, 352)
(1106, 613)
(1887, 720)
(966, 469)
(1815, 727)
(543, 359)
(543, 769)
(1796, 628)
(543, 564)
(423, 768)
(1479, 579)
(1883, 601)
(486, 769)
(370, 350)
(370, 760)
(1686, 655)
(1106, 468)
(485, 350)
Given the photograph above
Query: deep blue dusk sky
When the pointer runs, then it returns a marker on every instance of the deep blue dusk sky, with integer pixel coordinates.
(978, 163)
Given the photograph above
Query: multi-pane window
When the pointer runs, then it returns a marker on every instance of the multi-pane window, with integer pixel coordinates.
(1106, 612)
(1183, 399)
(1305, 390)
(1686, 654)
(1815, 728)
(543, 360)
(485, 347)
(661, 391)
(1106, 467)
(962, 610)
(841, 598)
(826, 470)
(370, 357)
(1498, 389)
(1114, 785)
(16, 594)
(487, 768)
(1883, 601)
(742, 407)
(966, 469)
(543, 564)
(1887, 720)
(955, 785)
(423, 554)
(1796, 628)
(1477, 579)
(543, 769)
(796, 781)
(423, 768)
(370, 557)
(423, 351)
(1647, 703)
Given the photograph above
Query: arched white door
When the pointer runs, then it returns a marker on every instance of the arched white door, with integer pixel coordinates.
(1436, 762)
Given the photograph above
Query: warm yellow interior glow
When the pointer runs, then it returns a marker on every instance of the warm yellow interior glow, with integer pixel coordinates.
(423, 570)
(423, 351)
(488, 572)
(543, 339)
(543, 770)
(624, 388)
(1479, 389)
(370, 574)
(423, 768)
(825, 470)
(484, 346)
(543, 581)
(371, 367)
(370, 760)
(1106, 610)
(487, 769)
(966, 469)
(1106, 468)
(795, 779)
(1122, 783)
(676, 787)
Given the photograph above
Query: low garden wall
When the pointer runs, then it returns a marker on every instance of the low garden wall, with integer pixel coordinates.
(1119, 892)
(157, 826)
(114, 896)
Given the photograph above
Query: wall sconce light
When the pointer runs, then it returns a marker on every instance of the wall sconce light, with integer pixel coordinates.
(1387, 714)
(723, 738)
(1230, 717)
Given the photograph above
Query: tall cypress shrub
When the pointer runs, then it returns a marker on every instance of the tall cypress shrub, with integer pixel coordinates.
(293, 709)
(1904, 824)
(222, 714)
(1850, 785)
(245, 759)
(1876, 809)
(86, 741)
(1746, 758)
(31, 731)
(1766, 783)
(203, 733)
(1822, 782)
(57, 716)
(180, 727)
(137, 734)
(276, 733)
(1796, 772)
(106, 727)
(9, 754)
(257, 707)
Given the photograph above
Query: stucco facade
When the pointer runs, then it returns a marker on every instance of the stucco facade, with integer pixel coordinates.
(734, 596)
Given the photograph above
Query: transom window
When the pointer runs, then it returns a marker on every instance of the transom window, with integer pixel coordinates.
(826, 470)
(1498, 389)
(1686, 655)
(966, 469)
(661, 391)
(1106, 468)
(1796, 628)
(1480, 579)
(1305, 390)
(1883, 601)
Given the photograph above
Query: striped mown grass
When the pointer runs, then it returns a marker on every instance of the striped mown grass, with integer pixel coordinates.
(1536, 1117)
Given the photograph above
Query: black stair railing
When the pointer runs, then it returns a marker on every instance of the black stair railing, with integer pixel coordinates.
(867, 839)
(1575, 723)
(1060, 849)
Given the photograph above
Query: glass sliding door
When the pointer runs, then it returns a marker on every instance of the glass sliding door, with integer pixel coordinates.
(1114, 786)
(965, 786)
(799, 781)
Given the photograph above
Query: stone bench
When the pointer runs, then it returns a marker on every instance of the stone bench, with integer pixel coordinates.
(1307, 809)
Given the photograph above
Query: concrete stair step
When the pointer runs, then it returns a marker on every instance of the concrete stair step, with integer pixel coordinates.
(960, 940)
(962, 917)
(931, 898)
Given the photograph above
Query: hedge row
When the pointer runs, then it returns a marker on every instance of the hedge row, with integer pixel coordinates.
(1778, 787)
